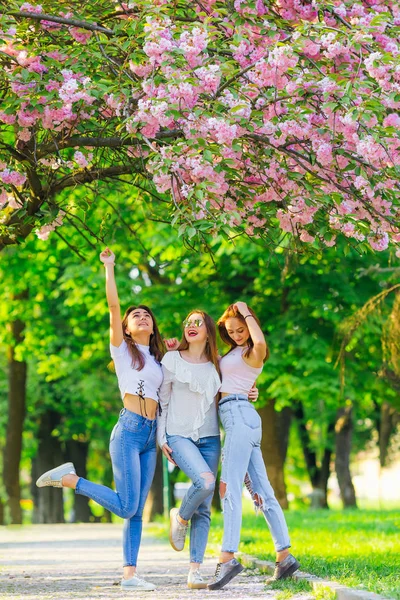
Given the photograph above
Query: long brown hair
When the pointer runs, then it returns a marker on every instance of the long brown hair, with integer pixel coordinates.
(232, 312)
(156, 346)
(211, 349)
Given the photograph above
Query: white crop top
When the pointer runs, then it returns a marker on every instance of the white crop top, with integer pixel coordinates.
(237, 376)
(130, 379)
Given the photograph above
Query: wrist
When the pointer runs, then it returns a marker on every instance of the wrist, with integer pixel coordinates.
(109, 264)
(249, 315)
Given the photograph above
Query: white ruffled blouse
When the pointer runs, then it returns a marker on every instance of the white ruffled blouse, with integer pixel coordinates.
(187, 399)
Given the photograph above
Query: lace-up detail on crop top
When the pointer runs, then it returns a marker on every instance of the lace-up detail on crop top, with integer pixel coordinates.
(237, 376)
(131, 381)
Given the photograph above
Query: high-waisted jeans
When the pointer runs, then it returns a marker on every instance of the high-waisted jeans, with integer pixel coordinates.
(241, 455)
(198, 460)
(133, 457)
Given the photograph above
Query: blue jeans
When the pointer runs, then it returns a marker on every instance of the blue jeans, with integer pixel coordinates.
(242, 454)
(197, 459)
(133, 457)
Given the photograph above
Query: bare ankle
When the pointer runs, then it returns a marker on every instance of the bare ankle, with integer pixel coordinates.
(69, 480)
(282, 555)
(225, 557)
(182, 521)
(129, 572)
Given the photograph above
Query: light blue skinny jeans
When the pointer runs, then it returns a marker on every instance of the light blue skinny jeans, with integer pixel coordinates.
(133, 457)
(195, 459)
(241, 455)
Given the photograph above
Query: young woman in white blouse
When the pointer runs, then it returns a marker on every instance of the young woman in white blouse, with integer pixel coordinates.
(136, 348)
(242, 457)
(188, 432)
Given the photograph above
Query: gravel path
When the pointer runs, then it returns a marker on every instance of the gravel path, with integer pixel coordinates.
(58, 562)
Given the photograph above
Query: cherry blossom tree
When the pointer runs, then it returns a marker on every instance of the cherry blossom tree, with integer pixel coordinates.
(272, 119)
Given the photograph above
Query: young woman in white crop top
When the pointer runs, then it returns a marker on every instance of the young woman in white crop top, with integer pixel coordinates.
(242, 458)
(137, 349)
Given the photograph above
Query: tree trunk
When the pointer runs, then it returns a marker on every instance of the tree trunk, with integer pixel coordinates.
(270, 448)
(17, 371)
(344, 431)
(319, 475)
(2, 522)
(387, 426)
(283, 423)
(77, 452)
(48, 502)
(155, 501)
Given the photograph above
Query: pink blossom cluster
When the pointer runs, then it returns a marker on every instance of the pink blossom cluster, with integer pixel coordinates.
(44, 231)
(12, 177)
(239, 117)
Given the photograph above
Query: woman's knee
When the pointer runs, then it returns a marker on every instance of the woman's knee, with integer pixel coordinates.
(129, 511)
(206, 482)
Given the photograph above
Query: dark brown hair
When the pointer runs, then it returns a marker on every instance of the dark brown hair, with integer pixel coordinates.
(156, 346)
(211, 349)
(232, 312)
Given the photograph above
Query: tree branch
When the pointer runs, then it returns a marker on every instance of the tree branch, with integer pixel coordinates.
(99, 142)
(62, 20)
(93, 175)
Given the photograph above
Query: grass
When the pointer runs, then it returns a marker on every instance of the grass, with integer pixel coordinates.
(358, 548)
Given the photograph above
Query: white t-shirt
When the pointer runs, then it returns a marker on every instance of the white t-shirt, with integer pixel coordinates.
(130, 380)
(187, 399)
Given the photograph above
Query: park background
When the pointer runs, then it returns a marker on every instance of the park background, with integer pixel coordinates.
(326, 291)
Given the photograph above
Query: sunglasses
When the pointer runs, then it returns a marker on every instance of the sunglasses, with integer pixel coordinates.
(194, 323)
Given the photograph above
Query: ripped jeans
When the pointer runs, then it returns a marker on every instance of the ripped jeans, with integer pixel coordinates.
(133, 456)
(199, 461)
(241, 455)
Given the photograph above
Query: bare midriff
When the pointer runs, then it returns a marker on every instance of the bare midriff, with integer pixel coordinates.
(223, 394)
(146, 408)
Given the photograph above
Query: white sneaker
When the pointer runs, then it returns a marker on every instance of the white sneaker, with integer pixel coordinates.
(177, 531)
(195, 580)
(135, 583)
(54, 476)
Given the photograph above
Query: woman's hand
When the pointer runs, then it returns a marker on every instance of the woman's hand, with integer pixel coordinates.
(167, 451)
(253, 393)
(171, 343)
(107, 257)
(242, 308)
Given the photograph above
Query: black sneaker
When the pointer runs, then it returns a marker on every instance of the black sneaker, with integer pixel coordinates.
(224, 573)
(284, 568)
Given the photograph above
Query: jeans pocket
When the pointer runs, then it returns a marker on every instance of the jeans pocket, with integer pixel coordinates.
(250, 416)
(132, 424)
(114, 431)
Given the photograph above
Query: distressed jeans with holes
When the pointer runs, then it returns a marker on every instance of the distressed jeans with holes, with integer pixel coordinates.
(197, 459)
(242, 454)
(133, 456)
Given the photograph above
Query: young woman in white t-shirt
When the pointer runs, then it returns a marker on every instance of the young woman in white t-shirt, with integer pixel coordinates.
(136, 348)
(240, 329)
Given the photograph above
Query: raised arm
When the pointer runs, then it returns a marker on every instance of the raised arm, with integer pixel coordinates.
(260, 349)
(108, 259)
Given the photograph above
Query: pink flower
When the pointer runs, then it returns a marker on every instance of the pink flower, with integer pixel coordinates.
(12, 177)
(8, 119)
(81, 159)
(379, 241)
(3, 198)
(44, 232)
(392, 120)
(24, 135)
(80, 35)
(26, 7)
